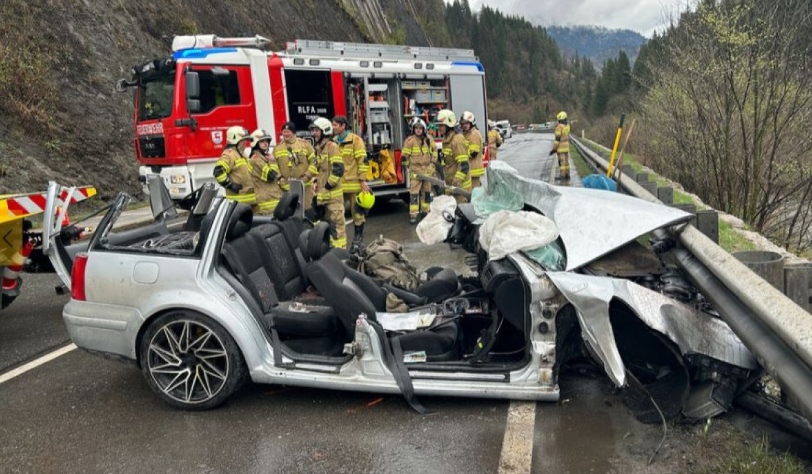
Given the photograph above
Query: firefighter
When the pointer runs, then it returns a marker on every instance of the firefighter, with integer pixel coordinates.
(561, 145)
(473, 139)
(456, 167)
(495, 139)
(294, 154)
(327, 167)
(232, 170)
(419, 155)
(265, 172)
(356, 165)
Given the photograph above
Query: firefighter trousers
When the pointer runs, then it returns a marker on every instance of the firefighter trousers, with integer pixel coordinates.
(564, 164)
(419, 196)
(334, 215)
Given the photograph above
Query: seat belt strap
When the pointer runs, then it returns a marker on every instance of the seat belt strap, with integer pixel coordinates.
(394, 358)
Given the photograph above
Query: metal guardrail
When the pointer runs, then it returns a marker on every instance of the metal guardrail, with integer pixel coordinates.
(774, 328)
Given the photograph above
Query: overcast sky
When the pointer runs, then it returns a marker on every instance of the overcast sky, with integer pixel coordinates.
(643, 16)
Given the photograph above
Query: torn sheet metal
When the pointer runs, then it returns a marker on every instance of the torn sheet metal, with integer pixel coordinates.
(693, 331)
(591, 222)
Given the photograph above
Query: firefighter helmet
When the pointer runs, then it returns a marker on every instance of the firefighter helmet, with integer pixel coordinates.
(258, 135)
(365, 200)
(491, 124)
(236, 134)
(469, 117)
(446, 117)
(417, 122)
(561, 116)
(324, 125)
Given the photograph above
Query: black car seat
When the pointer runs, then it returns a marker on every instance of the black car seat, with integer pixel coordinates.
(351, 293)
(304, 328)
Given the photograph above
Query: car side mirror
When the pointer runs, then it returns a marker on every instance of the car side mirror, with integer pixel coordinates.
(193, 106)
(192, 85)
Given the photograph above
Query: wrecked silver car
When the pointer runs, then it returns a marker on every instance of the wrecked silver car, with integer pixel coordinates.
(202, 301)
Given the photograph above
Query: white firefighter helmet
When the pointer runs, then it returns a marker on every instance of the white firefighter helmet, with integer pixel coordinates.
(324, 125)
(469, 117)
(491, 124)
(446, 117)
(258, 135)
(236, 134)
(417, 122)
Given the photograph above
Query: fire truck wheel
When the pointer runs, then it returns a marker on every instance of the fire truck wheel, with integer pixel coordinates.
(190, 361)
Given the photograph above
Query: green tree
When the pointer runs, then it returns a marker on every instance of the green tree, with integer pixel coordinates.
(729, 111)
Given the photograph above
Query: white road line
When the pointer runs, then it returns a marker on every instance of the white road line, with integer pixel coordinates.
(517, 445)
(36, 363)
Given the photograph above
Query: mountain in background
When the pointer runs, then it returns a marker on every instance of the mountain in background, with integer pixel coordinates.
(596, 43)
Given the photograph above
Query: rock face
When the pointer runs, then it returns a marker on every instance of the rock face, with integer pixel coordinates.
(60, 117)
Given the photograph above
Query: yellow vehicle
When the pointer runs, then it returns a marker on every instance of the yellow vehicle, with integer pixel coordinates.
(19, 244)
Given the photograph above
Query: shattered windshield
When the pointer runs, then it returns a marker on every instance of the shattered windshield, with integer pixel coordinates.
(155, 97)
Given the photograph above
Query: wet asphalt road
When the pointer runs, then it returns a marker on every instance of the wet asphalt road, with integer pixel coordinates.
(80, 413)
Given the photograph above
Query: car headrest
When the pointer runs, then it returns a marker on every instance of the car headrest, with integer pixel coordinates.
(315, 242)
(239, 222)
(287, 206)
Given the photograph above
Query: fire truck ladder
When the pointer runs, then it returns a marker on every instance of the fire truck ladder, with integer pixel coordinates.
(376, 51)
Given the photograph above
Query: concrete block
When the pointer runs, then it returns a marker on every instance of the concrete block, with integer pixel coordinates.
(798, 284)
(707, 222)
(666, 194)
(767, 265)
(649, 186)
(642, 177)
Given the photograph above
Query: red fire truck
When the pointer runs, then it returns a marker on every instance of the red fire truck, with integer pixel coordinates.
(185, 103)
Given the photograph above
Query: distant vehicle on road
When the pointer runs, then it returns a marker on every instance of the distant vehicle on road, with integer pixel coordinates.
(504, 128)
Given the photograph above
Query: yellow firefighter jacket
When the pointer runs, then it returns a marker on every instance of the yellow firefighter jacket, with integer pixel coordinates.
(456, 166)
(419, 154)
(354, 153)
(474, 141)
(328, 167)
(293, 158)
(562, 138)
(233, 166)
(265, 172)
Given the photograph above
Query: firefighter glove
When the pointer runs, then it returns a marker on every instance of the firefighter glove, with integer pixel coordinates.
(552, 152)
(234, 187)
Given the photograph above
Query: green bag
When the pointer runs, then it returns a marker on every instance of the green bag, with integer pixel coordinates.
(385, 262)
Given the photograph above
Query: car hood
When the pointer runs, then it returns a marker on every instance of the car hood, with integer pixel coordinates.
(591, 223)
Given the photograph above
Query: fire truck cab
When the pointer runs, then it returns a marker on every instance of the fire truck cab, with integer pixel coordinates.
(184, 104)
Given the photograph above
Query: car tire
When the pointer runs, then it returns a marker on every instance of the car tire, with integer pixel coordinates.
(190, 361)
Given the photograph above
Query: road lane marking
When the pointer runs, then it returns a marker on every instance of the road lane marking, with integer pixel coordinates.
(517, 445)
(36, 363)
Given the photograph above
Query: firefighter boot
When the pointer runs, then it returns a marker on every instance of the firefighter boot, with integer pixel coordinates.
(413, 208)
(357, 246)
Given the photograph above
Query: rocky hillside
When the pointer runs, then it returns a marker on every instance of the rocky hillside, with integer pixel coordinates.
(60, 117)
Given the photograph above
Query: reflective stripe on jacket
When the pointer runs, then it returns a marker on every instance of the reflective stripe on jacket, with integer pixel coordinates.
(293, 158)
(354, 153)
(562, 138)
(235, 167)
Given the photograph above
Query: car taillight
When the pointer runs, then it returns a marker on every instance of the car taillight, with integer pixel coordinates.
(77, 278)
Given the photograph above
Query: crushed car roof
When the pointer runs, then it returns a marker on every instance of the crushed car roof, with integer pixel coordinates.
(591, 223)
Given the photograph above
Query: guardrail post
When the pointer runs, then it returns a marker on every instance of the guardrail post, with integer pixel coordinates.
(649, 186)
(666, 195)
(707, 222)
(798, 284)
(689, 208)
(767, 265)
